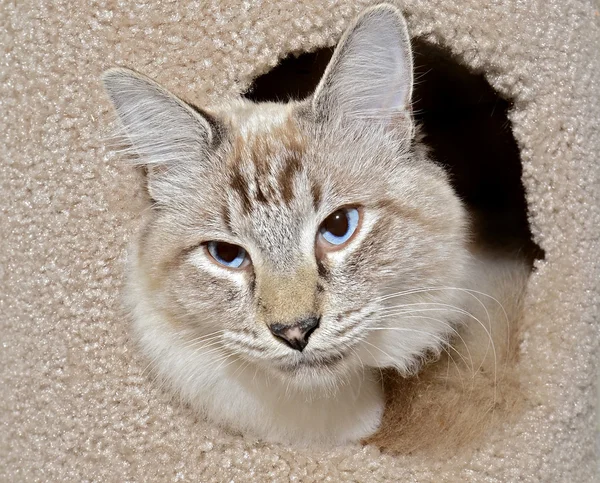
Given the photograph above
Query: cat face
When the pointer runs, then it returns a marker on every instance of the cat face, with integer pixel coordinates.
(282, 235)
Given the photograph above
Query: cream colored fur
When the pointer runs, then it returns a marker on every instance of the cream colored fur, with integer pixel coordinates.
(264, 177)
(75, 402)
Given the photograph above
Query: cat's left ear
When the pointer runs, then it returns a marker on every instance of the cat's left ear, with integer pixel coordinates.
(162, 128)
(370, 76)
(166, 134)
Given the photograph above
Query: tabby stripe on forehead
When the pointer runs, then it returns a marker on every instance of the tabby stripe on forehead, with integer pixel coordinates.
(316, 192)
(259, 156)
(260, 196)
(323, 270)
(286, 176)
(239, 185)
(265, 191)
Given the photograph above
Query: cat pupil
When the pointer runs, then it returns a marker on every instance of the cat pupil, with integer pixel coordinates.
(337, 223)
(227, 252)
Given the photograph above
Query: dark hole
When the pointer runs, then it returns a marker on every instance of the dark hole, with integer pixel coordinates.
(294, 78)
(465, 123)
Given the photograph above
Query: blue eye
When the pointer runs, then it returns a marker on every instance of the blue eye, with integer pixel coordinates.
(339, 227)
(226, 254)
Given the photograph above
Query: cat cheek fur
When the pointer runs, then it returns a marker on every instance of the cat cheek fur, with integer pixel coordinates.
(264, 176)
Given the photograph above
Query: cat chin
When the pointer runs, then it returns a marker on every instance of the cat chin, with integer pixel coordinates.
(322, 376)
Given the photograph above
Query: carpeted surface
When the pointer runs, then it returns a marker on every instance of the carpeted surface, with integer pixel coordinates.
(75, 403)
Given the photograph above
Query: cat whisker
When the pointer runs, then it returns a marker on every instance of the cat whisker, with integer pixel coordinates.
(245, 345)
(255, 373)
(362, 366)
(431, 289)
(223, 355)
(207, 337)
(241, 368)
(204, 338)
(231, 354)
(471, 293)
(468, 314)
(487, 332)
(442, 341)
(214, 350)
(443, 344)
(450, 308)
(418, 304)
(199, 347)
(378, 367)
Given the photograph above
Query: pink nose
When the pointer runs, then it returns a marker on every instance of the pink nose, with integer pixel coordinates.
(295, 335)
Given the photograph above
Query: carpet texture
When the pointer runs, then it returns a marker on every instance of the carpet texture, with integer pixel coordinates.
(75, 403)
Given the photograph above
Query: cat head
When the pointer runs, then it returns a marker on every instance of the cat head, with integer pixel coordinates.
(284, 233)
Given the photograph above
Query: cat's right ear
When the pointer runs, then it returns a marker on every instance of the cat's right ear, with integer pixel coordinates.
(370, 76)
(164, 132)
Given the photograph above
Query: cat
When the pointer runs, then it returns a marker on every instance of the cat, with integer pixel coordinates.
(295, 251)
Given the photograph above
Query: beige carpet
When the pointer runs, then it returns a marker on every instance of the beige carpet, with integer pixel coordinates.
(75, 404)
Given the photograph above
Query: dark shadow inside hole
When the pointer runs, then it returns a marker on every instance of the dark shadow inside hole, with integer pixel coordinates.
(466, 125)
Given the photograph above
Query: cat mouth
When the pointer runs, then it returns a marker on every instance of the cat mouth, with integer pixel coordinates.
(318, 362)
